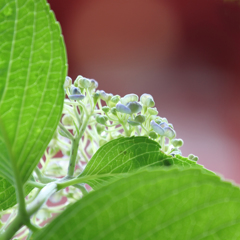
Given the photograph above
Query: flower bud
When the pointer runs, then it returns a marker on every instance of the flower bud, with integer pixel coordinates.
(152, 111)
(140, 118)
(76, 97)
(192, 157)
(153, 135)
(105, 96)
(100, 128)
(133, 123)
(67, 120)
(169, 132)
(177, 142)
(122, 108)
(106, 109)
(157, 128)
(115, 99)
(84, 83)
(114, 111)
(163, 124)
(129, 98)
(93, 84)
(135, 107)
(96, 96)
(68, 82)
(75, 90)
(101, 119)
(147, 100)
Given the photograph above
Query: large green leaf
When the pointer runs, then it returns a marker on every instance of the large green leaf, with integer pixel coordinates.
(32, 72)
(124, 155)
(153, 204)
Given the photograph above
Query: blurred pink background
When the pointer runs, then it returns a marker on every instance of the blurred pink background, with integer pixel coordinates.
(185, 53)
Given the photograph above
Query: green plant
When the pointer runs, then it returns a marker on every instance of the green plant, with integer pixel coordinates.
(141, 186)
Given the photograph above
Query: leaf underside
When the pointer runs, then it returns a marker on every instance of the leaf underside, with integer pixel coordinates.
(153, 204)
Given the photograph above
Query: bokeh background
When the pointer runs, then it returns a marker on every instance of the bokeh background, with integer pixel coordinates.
(185, 53)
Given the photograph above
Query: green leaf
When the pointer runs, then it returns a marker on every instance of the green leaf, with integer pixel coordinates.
(8, 194)
(153, 204)
(32, 73)
(124, 155)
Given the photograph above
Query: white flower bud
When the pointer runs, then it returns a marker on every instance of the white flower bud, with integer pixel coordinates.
(147, 100)
(68, 82)
(122, 108)
(129, 98)
(157, 128)
(84, 83)
(94, 84)
(169, 132)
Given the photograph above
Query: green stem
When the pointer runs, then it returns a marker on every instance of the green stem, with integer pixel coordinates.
(42, 178)
(74, 149)
(36, 184)
(66, 132)
(15, 225)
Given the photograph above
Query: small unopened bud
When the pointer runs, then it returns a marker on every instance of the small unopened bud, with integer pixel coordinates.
(147, 100)
(169, 132)
(84, 83)
(76, 97)
(135, 107)
(93, 84)
(133, 123)
(157, 128)
(101, 119)
(100, 128)
(152, 111)
(106, 109)
(105, 96)
(140, 118)
(67, 120)
(75, 90)
(122, 108)
(153, 135)
(114, 111)
(68, 82)
(177, 142)
(115, 99)
(96, 96)
(192, 157)
(129, 98)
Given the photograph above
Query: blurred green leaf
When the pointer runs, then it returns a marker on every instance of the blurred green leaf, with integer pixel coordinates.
(153, 204)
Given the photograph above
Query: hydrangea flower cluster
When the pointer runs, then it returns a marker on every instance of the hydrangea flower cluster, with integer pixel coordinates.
(106, 117)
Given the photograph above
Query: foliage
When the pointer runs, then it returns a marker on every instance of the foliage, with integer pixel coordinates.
(121, 170)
